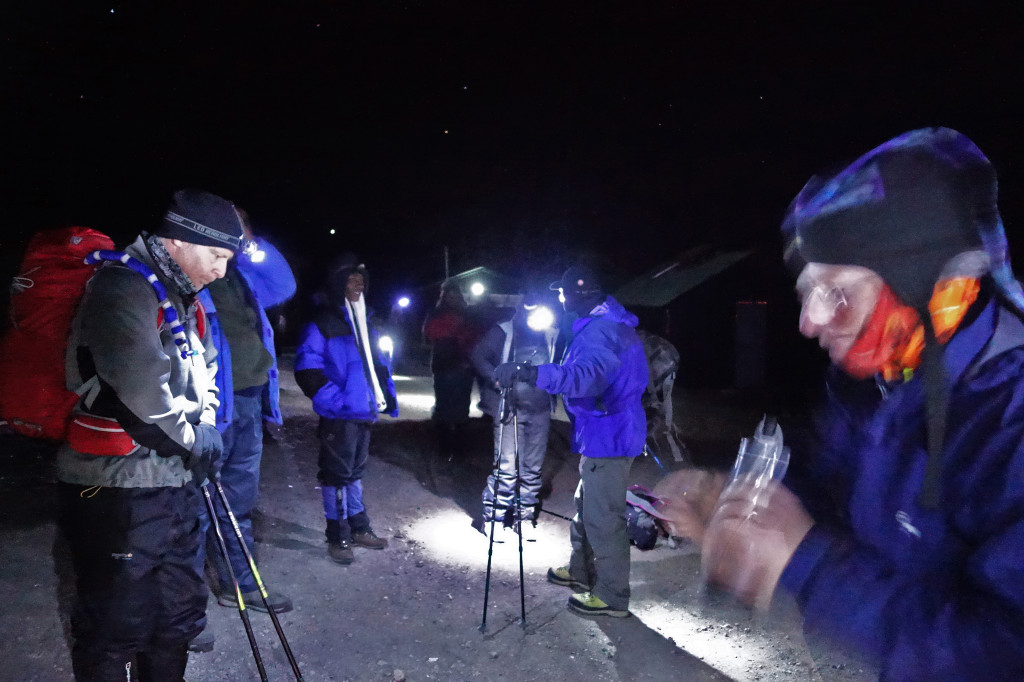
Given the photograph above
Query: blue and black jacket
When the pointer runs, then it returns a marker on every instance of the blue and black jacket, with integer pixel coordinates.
(331, 370)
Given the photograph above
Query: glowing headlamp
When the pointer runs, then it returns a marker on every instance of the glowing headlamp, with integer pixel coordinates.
(386, 345)
(538, 317)
(251, 249)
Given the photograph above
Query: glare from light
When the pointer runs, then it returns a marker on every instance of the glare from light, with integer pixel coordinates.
(386, 345)
(332, 230)
(404, 302)
(540, 318)
(561, 296)
(447, 537)
(477, 289)
(740, 653)
(258, 256)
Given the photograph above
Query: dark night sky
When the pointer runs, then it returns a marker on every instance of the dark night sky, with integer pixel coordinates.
(518, 133)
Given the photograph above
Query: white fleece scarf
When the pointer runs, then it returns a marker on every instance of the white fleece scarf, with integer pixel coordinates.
(357, 318)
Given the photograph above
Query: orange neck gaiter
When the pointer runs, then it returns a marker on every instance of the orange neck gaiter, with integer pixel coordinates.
(892, 339)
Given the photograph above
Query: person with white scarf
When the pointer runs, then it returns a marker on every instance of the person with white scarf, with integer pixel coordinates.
(339, 366)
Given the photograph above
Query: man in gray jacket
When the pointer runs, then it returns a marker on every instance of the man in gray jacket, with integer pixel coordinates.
(141, 439)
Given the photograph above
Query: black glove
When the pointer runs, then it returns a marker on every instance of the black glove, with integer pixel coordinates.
(205, 459)
(508, 373)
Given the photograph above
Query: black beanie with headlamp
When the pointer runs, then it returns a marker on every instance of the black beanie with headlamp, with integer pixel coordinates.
(199, 217)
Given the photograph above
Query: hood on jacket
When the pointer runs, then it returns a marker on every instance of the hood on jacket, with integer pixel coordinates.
(343, 266)
(611, 310)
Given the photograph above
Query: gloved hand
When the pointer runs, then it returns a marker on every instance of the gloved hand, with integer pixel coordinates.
(205, 459)
(508, 373)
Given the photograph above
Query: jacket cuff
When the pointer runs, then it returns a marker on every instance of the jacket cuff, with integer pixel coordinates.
(806, 558)
(546, 375)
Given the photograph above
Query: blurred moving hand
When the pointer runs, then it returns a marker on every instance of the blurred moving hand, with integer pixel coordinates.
(746, 548)
(689, 498)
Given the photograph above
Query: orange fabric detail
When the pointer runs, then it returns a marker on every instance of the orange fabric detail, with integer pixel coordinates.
(893, 338)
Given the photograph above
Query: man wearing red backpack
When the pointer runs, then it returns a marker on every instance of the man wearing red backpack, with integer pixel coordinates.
(142, 436)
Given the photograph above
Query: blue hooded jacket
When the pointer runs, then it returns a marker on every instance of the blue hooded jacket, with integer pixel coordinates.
(271, 283)
(602, 379)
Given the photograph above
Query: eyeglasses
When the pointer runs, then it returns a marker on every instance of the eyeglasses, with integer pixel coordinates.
(822, 303)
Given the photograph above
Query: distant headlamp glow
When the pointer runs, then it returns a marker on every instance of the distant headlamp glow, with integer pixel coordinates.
(386, 345)
(540, 318)
(404, 302)
(561, 296)
(477, 289)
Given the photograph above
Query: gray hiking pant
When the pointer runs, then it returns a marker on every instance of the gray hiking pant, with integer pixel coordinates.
(600, 543)
(533, 445)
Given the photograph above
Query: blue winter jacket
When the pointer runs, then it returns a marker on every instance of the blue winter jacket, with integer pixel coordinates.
(602, 379)
(329, 368)
(932, 594)
(271, 283)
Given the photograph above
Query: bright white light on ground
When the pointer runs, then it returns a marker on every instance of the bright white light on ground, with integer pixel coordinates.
(258, 256)
(447, 536)
(540, 318)
(416, 401)
(477, 289)
(738, 651)
(404, 302)
(386, 345)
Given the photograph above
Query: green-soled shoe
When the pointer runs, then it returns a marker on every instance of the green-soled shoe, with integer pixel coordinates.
(588, 604)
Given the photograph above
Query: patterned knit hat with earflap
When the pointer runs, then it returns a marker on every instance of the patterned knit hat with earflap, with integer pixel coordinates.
(918, 209)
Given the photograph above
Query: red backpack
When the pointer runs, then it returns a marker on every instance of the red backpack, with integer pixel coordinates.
(34, 400)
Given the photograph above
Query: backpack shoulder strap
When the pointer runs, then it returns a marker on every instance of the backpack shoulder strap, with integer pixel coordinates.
(167, 309)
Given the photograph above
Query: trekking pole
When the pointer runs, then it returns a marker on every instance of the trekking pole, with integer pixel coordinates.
(234, 581)
(545, 511)
(259, 580)
(649, 451)
(519, 519)
(496, 472)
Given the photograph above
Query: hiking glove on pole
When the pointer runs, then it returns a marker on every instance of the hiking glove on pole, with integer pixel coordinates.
(508, 373)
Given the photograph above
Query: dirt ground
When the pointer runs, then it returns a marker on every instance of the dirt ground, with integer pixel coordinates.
(414, 611)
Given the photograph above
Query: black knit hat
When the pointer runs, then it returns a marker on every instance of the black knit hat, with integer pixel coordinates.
(198, 217)
(578, 279)
(904, 210)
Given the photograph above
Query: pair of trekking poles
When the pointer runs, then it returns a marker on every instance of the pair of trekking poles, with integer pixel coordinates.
(506, 416)
(242, 611)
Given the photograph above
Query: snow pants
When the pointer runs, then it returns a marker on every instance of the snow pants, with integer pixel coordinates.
(600, 541)
(344, 450)
(140, 599)
(531, 437)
